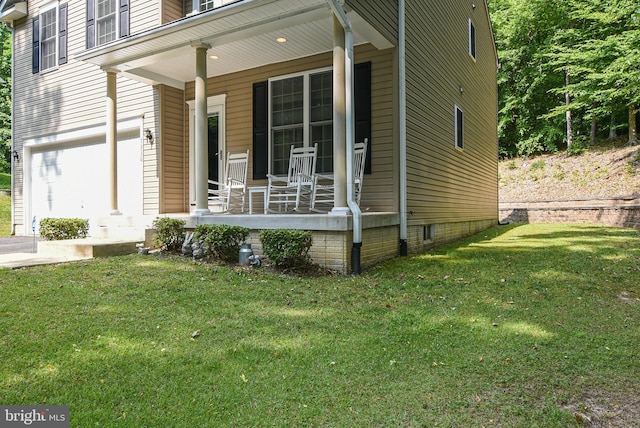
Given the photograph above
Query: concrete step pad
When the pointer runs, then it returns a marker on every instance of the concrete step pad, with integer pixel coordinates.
(88, 247)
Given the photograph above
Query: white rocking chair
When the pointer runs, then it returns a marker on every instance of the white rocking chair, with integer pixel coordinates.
(231, 192)
(296, 188)
(323, 185)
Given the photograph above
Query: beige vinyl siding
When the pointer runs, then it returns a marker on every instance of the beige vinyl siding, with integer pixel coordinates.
(174, 163)
(382, 14)
(445, 184)
(172, 10)
(379, 190)
(144, 15)
(72, 96)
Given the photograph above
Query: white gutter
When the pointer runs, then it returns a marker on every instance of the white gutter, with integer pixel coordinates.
(402, 77)
(341, 15)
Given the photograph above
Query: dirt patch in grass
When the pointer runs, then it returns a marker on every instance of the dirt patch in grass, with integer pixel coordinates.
(601, 172)
(629, 297)
(602, 410)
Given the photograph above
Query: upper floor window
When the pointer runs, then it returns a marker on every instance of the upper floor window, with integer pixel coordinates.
(49, 35)
(209, 4)
(472, 39)
(107, 20)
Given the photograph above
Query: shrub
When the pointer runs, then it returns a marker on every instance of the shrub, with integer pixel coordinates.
(54, 229)
(287, 248)
(220, 241)
(169, 233)
(580, 145)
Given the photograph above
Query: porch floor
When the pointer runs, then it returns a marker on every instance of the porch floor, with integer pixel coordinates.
(315, 222)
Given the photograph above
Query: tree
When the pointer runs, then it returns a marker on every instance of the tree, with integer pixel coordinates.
(5, 99)
(543, 43)
(523, 30)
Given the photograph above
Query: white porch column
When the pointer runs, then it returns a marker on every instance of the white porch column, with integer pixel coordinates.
(339, 121)
(201, 134)
(112, 140)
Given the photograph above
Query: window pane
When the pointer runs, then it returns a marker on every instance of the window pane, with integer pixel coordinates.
(106, 21)
(48, 31)
(323, 135)
(459, 128)
(321, 96)
(472, 39)
(282, 141)
(287, 100)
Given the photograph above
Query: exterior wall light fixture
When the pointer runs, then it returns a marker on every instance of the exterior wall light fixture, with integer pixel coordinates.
(148, 135)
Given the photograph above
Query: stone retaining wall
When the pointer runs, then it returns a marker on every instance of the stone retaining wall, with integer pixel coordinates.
(619, 212)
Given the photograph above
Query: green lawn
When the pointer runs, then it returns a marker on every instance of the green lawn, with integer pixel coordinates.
(519, 326)
(5, 215)
(5, 181)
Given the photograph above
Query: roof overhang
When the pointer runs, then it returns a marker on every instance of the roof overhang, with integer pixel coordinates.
(12, 10)
(242, 35)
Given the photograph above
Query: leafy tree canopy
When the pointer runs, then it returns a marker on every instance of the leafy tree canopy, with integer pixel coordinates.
(5, 99)
(551, 51)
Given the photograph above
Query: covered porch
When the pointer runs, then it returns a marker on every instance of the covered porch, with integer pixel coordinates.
(186, 58)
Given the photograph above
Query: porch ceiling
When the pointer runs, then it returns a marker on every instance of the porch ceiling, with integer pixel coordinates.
(242, 35)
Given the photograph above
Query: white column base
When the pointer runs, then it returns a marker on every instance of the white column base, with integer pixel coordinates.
(340, 211)
(201, 211)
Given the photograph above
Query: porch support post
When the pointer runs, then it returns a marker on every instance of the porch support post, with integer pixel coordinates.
(201, 134)
(339, 121)
(112, 140)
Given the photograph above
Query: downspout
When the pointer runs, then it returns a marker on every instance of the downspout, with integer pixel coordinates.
(339, 12)
(402, 102)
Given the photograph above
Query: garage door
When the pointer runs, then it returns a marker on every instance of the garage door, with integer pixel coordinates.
(73, 181)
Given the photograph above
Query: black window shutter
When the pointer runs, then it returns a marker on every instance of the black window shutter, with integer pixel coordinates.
(62, 35)
(35, 64)
(91, 24)
(260, 130)
(124, 18)
(362, 94)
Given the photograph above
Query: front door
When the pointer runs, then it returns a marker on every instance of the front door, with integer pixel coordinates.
(215, 142)
(213, 139)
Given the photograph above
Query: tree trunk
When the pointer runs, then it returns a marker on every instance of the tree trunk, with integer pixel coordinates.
(633, 133)
(568, 114)
(612, 128)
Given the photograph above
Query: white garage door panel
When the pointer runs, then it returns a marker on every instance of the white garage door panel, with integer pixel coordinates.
(65, 183)
(74, 181)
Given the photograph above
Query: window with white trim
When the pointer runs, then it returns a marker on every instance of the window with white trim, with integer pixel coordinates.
(209, 4)
(301, 114)
(49, 44)
(107, 20)
(459, 128)
(49, 38)
(472, 39)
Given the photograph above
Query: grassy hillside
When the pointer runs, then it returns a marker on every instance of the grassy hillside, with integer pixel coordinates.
(601, 172)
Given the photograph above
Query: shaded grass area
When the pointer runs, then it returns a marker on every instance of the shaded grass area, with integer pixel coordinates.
(5, 181)
(5, 215)
(519, 326)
